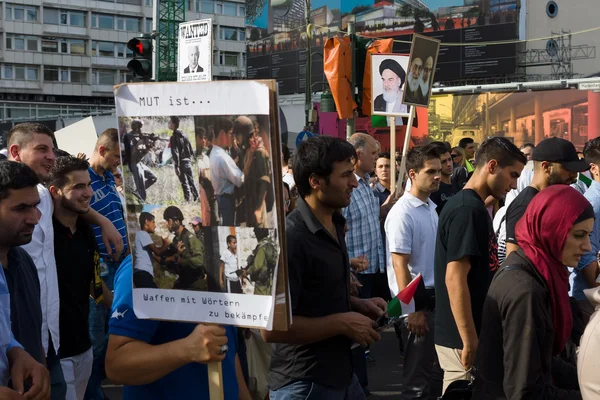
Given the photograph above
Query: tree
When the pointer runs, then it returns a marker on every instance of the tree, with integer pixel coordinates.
(254, 34)
(254, 9)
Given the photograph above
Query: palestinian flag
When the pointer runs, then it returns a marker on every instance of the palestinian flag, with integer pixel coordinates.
(404, 302)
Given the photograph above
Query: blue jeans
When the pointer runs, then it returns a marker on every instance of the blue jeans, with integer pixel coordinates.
(226, 209)
(303, 390)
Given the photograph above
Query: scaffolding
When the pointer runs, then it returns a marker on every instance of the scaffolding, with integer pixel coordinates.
(170, 14)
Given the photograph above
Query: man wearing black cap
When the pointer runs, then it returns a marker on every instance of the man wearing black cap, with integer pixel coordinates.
(555, 162)
(392, 78)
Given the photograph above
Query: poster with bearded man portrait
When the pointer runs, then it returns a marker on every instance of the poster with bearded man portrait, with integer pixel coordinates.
(419, 77)
(388, 72)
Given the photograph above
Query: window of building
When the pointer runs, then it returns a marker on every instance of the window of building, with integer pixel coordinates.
(242, 11)
(229, 59)
(20, 73)
(104, 49)
(243, 60)
(228, 33)
(64, 17)
(242, 35)
(103, 21)
(130, 24)
(16, 12)
(64, 75)
(103, 77)
(219, 8)
(207, 7)
(51, 16)
(148, 3)
(189, 5)
(148, 25)
(120, 50)
(64, 46)
(18, 42)
(230, 9)
(125, 77)
(51, 74)
(78, 76)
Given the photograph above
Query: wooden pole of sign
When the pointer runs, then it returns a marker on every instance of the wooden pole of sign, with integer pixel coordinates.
(404, 150)
(215, 381)
(393, 153)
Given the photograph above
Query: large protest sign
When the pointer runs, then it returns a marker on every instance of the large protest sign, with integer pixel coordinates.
(213, 212)
(195, 51)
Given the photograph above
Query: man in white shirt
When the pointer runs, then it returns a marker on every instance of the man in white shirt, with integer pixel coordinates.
(411, 228)
(225, 174)
(33, 145)
(229, 267)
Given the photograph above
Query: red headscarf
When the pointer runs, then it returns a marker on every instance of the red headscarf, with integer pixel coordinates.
(542, 233)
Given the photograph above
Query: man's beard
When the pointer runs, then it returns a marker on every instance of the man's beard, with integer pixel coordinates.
(413, 84)
(72, 206)
(424, 86)
(391, 95)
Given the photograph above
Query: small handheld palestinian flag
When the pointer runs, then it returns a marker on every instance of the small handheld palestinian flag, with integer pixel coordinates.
(404, 302)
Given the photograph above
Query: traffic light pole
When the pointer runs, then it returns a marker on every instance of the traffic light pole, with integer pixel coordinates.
(155, 41)
(308, 75)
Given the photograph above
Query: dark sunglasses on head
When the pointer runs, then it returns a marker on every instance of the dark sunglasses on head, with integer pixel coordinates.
(117, 176)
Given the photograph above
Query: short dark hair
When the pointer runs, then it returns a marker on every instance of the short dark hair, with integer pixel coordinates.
(145, 217)
(385, 154)
(500, 149)
(286, 154)
(316, 155)
(464, 142)
(14, 176)
(528, 144)
(64, 166)
(222, 124)
(109, 139)
(200, 132)
(441, 146)
(591, 151)
(21, 134)
(416, 157)
(230, 238)
(175, 121)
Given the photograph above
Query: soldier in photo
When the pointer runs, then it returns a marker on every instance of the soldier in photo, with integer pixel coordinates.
(182, 152)
(137, 145)
(261, 263)
(187, 254)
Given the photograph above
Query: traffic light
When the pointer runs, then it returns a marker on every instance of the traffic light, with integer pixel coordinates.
(141, 65)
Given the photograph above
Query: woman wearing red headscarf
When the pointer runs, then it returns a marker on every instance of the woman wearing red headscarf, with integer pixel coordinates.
(526, 316)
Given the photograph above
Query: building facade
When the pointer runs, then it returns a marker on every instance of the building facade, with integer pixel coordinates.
(61, 58)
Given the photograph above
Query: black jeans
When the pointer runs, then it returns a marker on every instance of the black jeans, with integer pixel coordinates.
(186, 177)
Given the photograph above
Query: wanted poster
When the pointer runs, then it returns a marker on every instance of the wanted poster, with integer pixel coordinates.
(194, 58)
(201, 167)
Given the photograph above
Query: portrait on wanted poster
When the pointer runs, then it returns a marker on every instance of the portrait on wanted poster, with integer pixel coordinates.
(201, 210)
(195, 51)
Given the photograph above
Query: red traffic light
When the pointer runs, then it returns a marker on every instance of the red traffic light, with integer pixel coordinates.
(141, 47)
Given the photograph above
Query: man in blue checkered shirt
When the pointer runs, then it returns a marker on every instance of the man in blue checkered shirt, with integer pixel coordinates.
(363, 238)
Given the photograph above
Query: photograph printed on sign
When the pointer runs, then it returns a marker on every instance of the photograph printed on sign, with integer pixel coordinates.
(388, 72)
(195, 51)
(221, 164)
(419, 80)
(201, 212)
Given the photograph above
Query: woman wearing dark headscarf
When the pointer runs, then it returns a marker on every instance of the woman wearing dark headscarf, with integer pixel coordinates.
(526, 316)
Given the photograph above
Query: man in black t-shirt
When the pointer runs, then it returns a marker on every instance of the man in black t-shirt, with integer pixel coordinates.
(313, 358)
(465, 254)
(77, 267)
(555, 162)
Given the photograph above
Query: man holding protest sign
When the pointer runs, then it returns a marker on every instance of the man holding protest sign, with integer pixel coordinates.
(326, 318)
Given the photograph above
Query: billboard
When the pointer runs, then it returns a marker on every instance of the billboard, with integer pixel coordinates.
(520, 116)
(278, 42)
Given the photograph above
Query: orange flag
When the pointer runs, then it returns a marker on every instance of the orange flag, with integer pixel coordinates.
(337, 55)
(378, 46)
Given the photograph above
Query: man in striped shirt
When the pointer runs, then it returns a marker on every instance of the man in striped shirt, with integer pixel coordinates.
(106, 201)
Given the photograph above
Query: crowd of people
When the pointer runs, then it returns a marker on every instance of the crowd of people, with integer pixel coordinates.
(522, 328)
